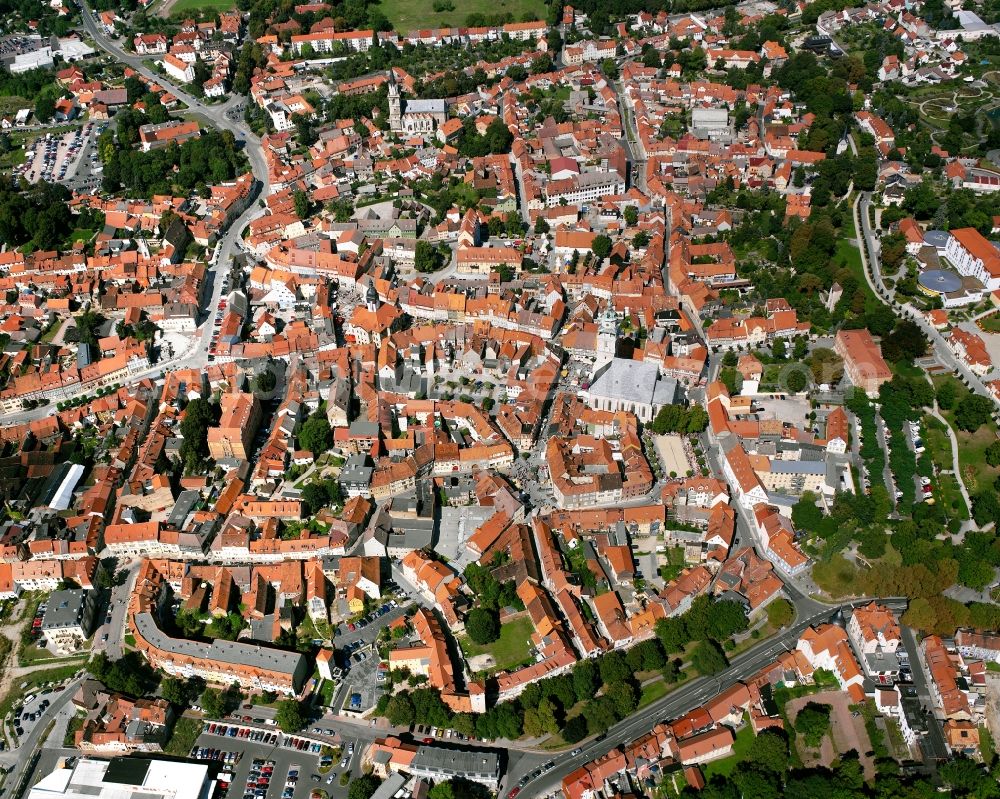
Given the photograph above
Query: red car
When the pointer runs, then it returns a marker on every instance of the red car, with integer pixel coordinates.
(513, 793)
(350, 626)
(428, 740)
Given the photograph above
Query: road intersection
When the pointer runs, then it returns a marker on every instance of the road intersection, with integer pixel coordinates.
(195, 356)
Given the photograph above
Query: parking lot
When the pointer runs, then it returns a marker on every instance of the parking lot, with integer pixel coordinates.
(267, 764)
(30, 712)
(57, 157)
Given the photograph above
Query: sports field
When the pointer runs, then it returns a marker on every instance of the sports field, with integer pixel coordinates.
(174, 7)
(407, 15)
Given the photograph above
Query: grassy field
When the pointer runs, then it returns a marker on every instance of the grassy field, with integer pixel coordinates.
(193, 6)
(510, 649)
(186, 732)
(726, 765)
(991, 323)
(407, 15)
(653, 691)
(848, 255)
(976, 473)
(946, 486)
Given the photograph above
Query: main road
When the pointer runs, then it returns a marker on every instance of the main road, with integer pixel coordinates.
(196, 355)
(673, 705)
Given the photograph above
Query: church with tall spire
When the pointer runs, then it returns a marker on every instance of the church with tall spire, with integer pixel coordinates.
(414, 116)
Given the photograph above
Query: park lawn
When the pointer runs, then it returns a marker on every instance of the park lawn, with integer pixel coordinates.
(991, 323)
(407, 15)
(52, 332)
(726, 765)
(185, 733)
(945, 485)
(510, 649)
(74, 724)
(976, 473)
(12, 159)
(189, 6)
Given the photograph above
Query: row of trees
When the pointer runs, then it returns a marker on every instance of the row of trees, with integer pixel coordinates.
(597, 693)
(680, 419)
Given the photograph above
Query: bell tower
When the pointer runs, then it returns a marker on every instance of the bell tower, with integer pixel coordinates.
(395, 104)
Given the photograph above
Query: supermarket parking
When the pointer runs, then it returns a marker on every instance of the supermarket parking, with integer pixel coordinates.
(259, 763)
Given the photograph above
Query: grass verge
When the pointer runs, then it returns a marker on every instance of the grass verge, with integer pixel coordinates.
(183, 736)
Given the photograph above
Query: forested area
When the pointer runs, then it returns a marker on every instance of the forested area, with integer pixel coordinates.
(211, 158)
(35, 214)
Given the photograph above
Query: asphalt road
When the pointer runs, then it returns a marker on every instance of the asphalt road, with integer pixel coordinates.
(669, 707)
(196, 356)
(19, 757)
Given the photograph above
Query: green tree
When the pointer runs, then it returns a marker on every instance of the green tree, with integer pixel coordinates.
(400, 710)
(813, 722)
(585, 680)
(459, 788)
(316, 435)
(972, 412)
(426, 257)
(129, 674)
(575, 730)
(541, 720)
(600, 714)
(290, 715)
(363, 787)
(796, 381)
(181, 693)
(672, 633)
(601, 246)
(780, 613)
(946, 395)
(199, 415)
(769, 751)
(499, 136)
(708, 658)
(483, 625)
(624, 698)
(614, 668)
(213, 703)
(731, 379)
(265, 382)
(631, 215)
(806, 515)
(302, 204)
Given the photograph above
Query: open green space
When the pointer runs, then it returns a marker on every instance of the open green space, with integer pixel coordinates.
(976, 473)
(407, 15)
(653, 691)
(510, 649)
(945, 485)
(194, 6)
(74, 724)
(185, 733)
(726, 765)
(990, 324)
